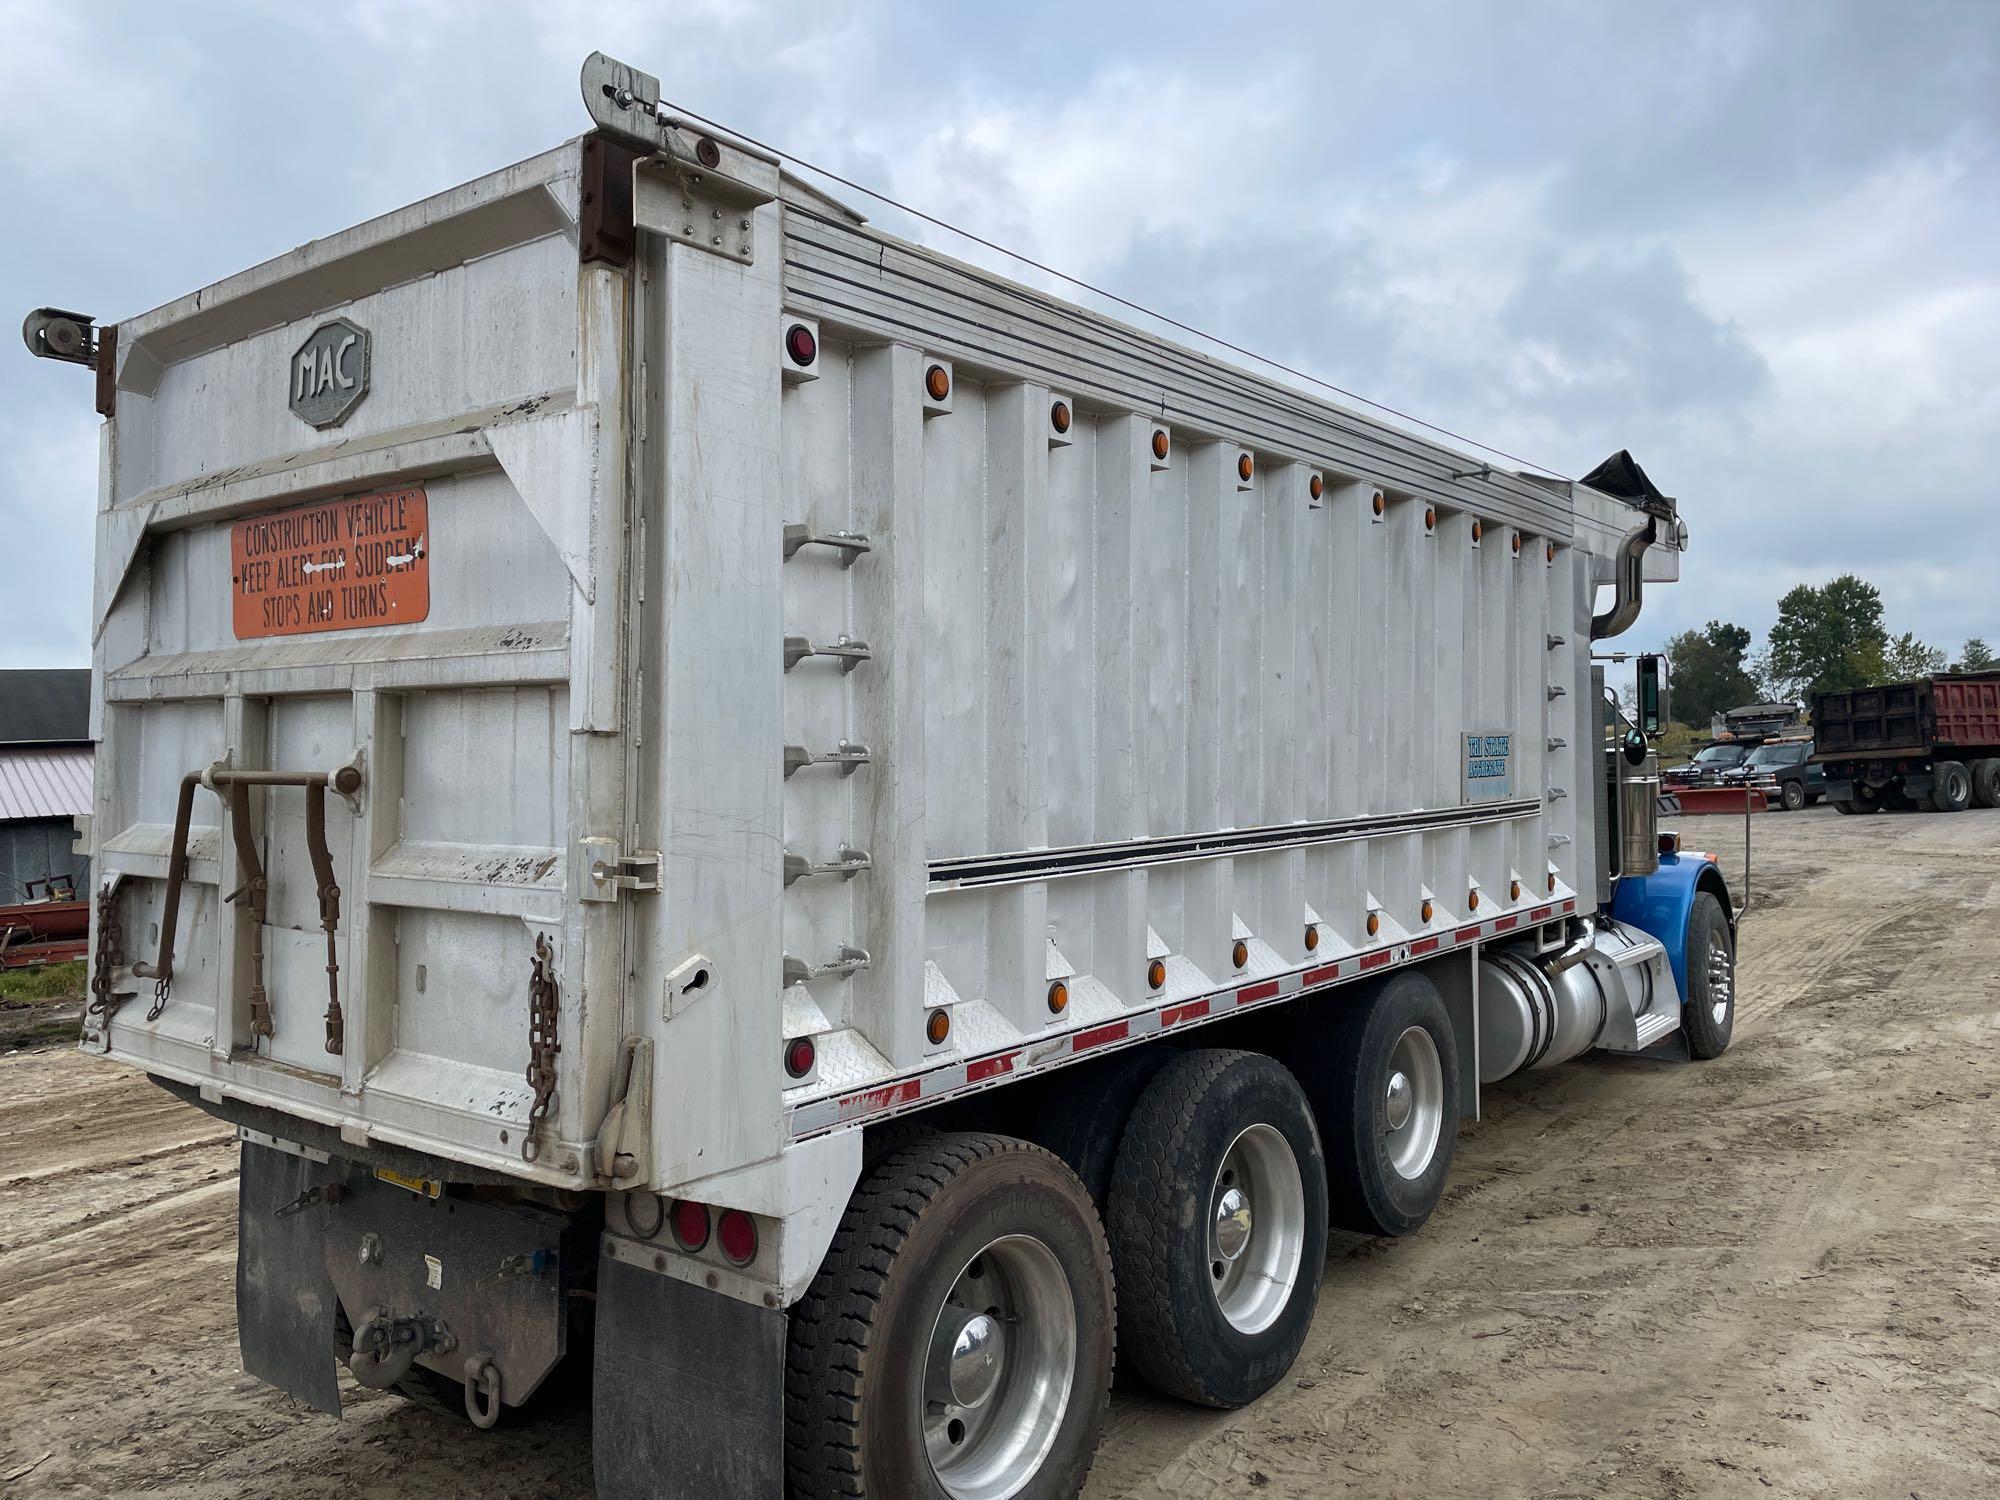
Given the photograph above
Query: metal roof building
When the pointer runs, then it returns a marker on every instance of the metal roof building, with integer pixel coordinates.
(45, 777)
(44, 783)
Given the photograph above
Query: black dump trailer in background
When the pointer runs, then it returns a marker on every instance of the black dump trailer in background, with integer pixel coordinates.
(1929, 744)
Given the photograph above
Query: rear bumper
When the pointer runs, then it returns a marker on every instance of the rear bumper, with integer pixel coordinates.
(457, 1282)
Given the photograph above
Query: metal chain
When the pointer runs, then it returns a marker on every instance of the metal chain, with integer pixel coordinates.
(102, 1002)
(543, 1042)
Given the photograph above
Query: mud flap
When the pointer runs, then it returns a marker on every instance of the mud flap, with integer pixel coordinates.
(284, 1301)
(689, 1391)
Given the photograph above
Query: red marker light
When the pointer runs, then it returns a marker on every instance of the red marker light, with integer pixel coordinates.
(690, 1225)
(801, 345)
(799, 1056)
(737, 1234)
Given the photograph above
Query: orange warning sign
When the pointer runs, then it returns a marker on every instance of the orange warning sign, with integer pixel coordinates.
(336, 566)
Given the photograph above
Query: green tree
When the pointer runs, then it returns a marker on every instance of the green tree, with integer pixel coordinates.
(1827, 638)
(1908, 657)
(1976, 657)
(1708, 671)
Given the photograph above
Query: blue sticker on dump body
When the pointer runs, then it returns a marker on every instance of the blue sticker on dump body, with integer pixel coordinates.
(1487, 763)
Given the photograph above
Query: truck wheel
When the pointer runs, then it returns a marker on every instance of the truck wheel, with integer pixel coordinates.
(1986, 782)
(1217, 1219)
(1792, 796)
(1382, 1072)
(1710, 1012)
(1951, 786)
(957, 1341)
(1084, 1128)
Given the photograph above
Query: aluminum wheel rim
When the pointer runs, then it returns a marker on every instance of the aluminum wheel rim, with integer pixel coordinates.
(1256, 1228)
(999, 1370)
(1413, 1103)
(1721, 979)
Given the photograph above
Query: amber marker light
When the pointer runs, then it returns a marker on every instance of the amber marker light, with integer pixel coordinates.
(937, 382)
(1378, 502)
(1425, 911)
(1059, 416)
(1058, 998)
(1374, 923)
(1513, 890)
(1478, 530)
(1552, 882)
(1240, 954)
(938, 1026)
(1312, 939)
(1315, 486)
(1430, 518)
(1160, 443)
(1156, 973)
(1472, 901)
(1551, 556)
(1244, 467)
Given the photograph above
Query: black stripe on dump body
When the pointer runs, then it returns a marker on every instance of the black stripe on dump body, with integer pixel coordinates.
(976, 870)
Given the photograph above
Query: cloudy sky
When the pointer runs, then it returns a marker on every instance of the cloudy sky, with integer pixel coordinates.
(1758, 244)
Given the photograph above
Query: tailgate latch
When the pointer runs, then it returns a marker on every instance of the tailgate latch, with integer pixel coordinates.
(607, 872)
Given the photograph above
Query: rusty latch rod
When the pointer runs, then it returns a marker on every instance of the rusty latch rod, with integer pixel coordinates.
(329, 912)
(256, 888)
(233, 788)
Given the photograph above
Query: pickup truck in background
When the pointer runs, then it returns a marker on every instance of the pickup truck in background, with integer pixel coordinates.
(1709, 766)
(1928, 745)
(1784, 771)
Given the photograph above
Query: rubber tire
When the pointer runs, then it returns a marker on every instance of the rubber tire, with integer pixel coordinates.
(853, 1360)
(1851, 808)
(1707, 1038)
(1986, 782)
(1340, 1056)
(1951, 786)
(1171, 1326)
(1792, 796)
(1085, 1127)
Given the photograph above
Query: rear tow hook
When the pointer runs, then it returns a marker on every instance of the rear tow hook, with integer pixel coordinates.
(482, 1391)
(385, 1348)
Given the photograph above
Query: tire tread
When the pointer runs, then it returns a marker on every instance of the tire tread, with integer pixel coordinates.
(833, 1325)
(1143, 1224)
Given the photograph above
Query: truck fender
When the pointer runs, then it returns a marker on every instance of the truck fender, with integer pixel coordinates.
(1661, 903)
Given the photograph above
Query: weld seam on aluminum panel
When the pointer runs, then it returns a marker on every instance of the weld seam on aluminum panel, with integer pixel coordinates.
(987, 870)
(895, 1096)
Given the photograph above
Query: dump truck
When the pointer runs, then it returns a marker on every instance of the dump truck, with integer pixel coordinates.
(1928, 745)
(736, 807)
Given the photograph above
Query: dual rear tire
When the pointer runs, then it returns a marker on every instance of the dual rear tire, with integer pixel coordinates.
(1986, 781)
(958, 1341)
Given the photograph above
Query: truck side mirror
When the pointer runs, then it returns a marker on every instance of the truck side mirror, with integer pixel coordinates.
(1654, 712)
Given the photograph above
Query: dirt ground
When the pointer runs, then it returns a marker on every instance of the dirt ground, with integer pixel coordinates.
(1774, 1274)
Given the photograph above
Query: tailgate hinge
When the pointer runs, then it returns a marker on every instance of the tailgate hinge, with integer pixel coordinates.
(606, 871)
(624, 1140)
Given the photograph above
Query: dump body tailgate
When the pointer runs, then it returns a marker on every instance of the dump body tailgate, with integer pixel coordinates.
(358, 607)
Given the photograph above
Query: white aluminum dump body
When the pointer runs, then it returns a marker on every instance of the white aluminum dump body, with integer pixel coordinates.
(1304, 674)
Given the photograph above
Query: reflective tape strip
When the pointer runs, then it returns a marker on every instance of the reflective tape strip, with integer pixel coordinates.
(882, 1100)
